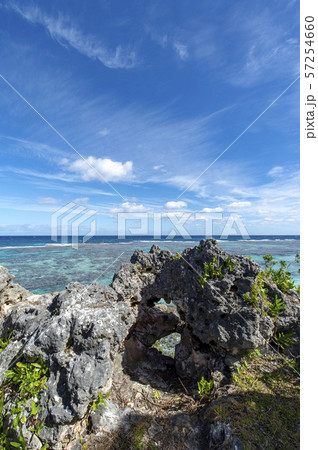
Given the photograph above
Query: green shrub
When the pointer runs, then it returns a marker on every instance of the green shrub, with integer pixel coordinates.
(28, 378)
(281, 276)
(205, 387)
(210, 270)
(24, 381)
(284, 340)
(101, 400)
(276, 307)
(258, 291)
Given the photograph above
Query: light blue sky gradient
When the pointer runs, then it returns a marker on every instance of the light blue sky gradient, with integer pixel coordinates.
(150, 93)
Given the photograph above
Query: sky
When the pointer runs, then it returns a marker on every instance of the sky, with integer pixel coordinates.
(149, 107)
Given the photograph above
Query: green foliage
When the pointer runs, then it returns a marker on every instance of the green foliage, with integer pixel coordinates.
(205, 387)
(297, 289)
(25, 381)
(276, 307)
(199, 249)
(260, 294)
(138, 435)
(28, 378)
(284, 340)
(228, 263)
(100, 401)
(156, 394)
(210, 270)
(177, 256)
(281, 276)
(258, 291)
(4, 343)
(297, 259)
(264, 403)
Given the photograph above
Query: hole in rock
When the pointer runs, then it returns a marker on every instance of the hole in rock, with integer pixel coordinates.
(167, 344)
(150, 346)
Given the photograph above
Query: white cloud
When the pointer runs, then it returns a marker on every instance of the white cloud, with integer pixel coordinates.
(65, 33)
(212, 210)
(48, 201)
(239, 205)
(175, 205)
(128, 207)
(81, 200)
(181, 50)
(266, 49)
(160, 166)
(104, 132)
(276, 171)
(102, 169)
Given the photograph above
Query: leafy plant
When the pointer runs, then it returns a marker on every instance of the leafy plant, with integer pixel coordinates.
(230, 264)
(139, 433)
(25, 380)
(297, 289)
(156, 394)
(4, 343)
(177, 256)
(29, 378)
(297, 259)
(205, 387)
(257, 291)
(210, 270)
(284, 340)
(100, 401)
(281, 276)
(276, 307)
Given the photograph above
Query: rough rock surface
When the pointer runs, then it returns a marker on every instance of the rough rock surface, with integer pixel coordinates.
(80, 332)
(77, 334)
(216, 323)
(10, 293)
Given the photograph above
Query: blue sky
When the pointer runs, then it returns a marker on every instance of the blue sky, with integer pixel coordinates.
(149, 93)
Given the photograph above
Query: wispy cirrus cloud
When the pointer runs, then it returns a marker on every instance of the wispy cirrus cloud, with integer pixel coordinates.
(68, 34)
(48, 201)
(267, 50)
(181, 50)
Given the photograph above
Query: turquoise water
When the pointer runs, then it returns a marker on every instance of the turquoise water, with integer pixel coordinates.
(41, 266)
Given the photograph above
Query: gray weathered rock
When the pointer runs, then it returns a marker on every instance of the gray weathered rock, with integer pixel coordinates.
(80, 331)
(10, 293)
(215, 320)
(77, 334)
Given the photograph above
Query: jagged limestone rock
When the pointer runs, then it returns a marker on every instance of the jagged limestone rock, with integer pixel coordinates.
(80, 331)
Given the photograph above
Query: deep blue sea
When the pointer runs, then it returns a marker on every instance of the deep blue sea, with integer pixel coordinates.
(41, 265)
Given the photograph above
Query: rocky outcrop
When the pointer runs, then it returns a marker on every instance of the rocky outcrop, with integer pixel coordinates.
(79, 333)
(217, 324)
(10, 293)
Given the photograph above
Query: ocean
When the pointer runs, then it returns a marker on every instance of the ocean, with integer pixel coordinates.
(41, 265)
